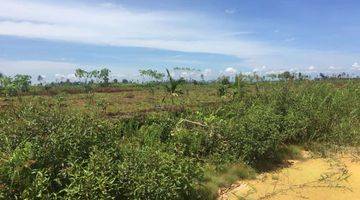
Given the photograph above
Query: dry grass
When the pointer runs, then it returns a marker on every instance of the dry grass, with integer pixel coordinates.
(128, 101)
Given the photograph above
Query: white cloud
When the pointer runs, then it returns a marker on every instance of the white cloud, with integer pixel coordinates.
(71, 77)
(60, 78)
(207, 72)
(115, 25)
(34, 67)
(311, 68)
(112, 24)
(293, 70)
(184, 74)
(247, 73)
(275, 72)
(302, 59)
(260, 69)
(356, 66)
(65, 77)
(230, 71)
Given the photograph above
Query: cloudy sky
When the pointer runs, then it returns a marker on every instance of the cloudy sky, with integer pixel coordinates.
(51, 37)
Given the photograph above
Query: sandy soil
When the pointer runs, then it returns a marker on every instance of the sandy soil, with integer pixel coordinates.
(311, 178)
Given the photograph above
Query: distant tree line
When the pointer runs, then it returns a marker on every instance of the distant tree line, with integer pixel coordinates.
(20, 83)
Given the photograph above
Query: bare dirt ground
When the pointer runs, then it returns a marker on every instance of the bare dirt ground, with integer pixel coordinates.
(337, 177)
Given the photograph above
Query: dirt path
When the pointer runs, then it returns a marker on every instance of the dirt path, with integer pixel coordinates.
(311, 178)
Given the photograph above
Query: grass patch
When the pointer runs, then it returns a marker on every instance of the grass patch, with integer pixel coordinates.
(292, 152)
(216, 179)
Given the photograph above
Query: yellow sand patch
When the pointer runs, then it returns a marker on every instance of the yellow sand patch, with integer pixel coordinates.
(313, 178)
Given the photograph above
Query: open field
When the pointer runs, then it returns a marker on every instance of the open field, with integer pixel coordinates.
(142, 142)
(127, 100)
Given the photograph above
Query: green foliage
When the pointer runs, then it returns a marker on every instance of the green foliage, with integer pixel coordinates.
(88, 76)
(158, 76)
(11, 86)
(285, 76)
(172, 86)
(22, 82)
(50, 152)
(224, 85)
(80, 73)
(74, 156)
(224, 80)
(240, 85)
(7, 86)
(139, 173)
(215, 179)
(222, 90)
(102, 75)
(185, 69)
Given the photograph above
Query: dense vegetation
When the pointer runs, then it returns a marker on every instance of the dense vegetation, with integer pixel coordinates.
(50, 152)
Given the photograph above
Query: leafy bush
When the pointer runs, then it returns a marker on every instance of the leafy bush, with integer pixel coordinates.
(138, 173)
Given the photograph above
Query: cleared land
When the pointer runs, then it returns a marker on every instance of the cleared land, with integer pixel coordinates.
(127, 100)
(311, 177)
(143, 142)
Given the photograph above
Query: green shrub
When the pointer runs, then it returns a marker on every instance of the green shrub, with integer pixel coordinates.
(48, 151)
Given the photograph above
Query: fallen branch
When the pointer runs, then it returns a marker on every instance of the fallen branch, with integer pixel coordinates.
(192, 122)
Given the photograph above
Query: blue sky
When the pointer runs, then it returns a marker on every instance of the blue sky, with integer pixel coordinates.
(219, 37)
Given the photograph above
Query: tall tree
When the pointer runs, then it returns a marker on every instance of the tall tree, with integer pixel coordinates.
(104, 76)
